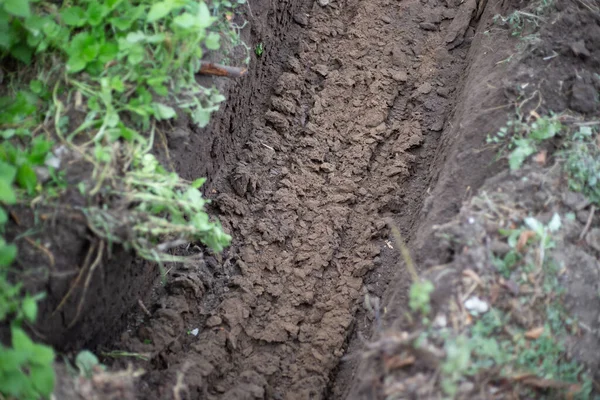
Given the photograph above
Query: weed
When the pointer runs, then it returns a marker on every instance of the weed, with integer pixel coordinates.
(87, 362)
(582, 164)
(525, 137)
(259, 49)
(420, 297)
(521, 21)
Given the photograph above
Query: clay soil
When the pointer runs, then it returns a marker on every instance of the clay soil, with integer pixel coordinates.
(358, 114)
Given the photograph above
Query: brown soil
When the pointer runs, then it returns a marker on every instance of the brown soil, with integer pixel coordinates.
(357, 111)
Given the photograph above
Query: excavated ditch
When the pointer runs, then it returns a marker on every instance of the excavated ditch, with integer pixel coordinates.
(343, 122)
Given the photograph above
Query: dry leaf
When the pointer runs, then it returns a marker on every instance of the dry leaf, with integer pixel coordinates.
(397, 362)
(533, 113)
(473, 275)
(546, 383)
(523, 239)
(540, 158)
(494, 293)
(534, 333)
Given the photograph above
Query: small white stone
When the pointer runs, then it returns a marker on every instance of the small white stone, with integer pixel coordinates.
(194, 332)
(440, 321)
(53, 162)
(323, 3)
(476, 305)
(471, 220)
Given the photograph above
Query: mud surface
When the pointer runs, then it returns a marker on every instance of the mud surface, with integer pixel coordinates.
(359, 101)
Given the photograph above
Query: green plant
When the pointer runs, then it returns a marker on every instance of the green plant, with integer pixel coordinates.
(259, 49)
(420, 297)
(524, 137)
(87, 362)
(26, 371)
(582, 164)
(521, 20)
(458, 359)
(95, 82)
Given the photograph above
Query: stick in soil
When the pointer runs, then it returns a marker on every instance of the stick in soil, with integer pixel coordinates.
(410, 266)
(588, 223)
(208, 68)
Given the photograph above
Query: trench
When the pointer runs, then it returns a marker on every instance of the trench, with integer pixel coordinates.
(341, 124)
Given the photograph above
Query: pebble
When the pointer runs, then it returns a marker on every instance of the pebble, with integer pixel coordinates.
(321, 69)
(593, 239)
(386, 19)
(301, 19)
(425, 88)
(578, 48)
(476, 305)
(214, 321)
(574, 200)
(443, 92)
(428, 26)
(323, 3)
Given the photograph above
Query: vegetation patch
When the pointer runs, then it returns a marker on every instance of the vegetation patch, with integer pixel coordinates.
(88, 89)
(502, 327)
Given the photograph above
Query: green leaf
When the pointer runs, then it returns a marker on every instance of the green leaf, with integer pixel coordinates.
(197, 184)
(73, 16)
(159, 10)
(20, 340)
(8, 252)
(535, 225)
(36, 86)
(201, 117)
(26, 178)
(86, 361)
(108, 52)
(15, 383)
(22, 52)
(185, 20)
(204, 20)
(518, 156)
(212, 41)
(96, 13)
(116, 83)
(29, 307)
(19, 8)
(136, 37)
(3, 217)
(544, 128)
(42, 355)
(40, 148)
(121, 24)
(7, 172)
(163, 111)
(7, 195)
(75, 64)
(42, 378)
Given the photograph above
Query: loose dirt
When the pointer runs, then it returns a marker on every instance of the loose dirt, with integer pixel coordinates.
(356, 112)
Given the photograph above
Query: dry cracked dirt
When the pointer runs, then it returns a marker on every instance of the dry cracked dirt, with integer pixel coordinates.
(357, 113)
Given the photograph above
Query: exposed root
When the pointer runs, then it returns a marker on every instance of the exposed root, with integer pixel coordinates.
(74, 284)
(87, 282)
